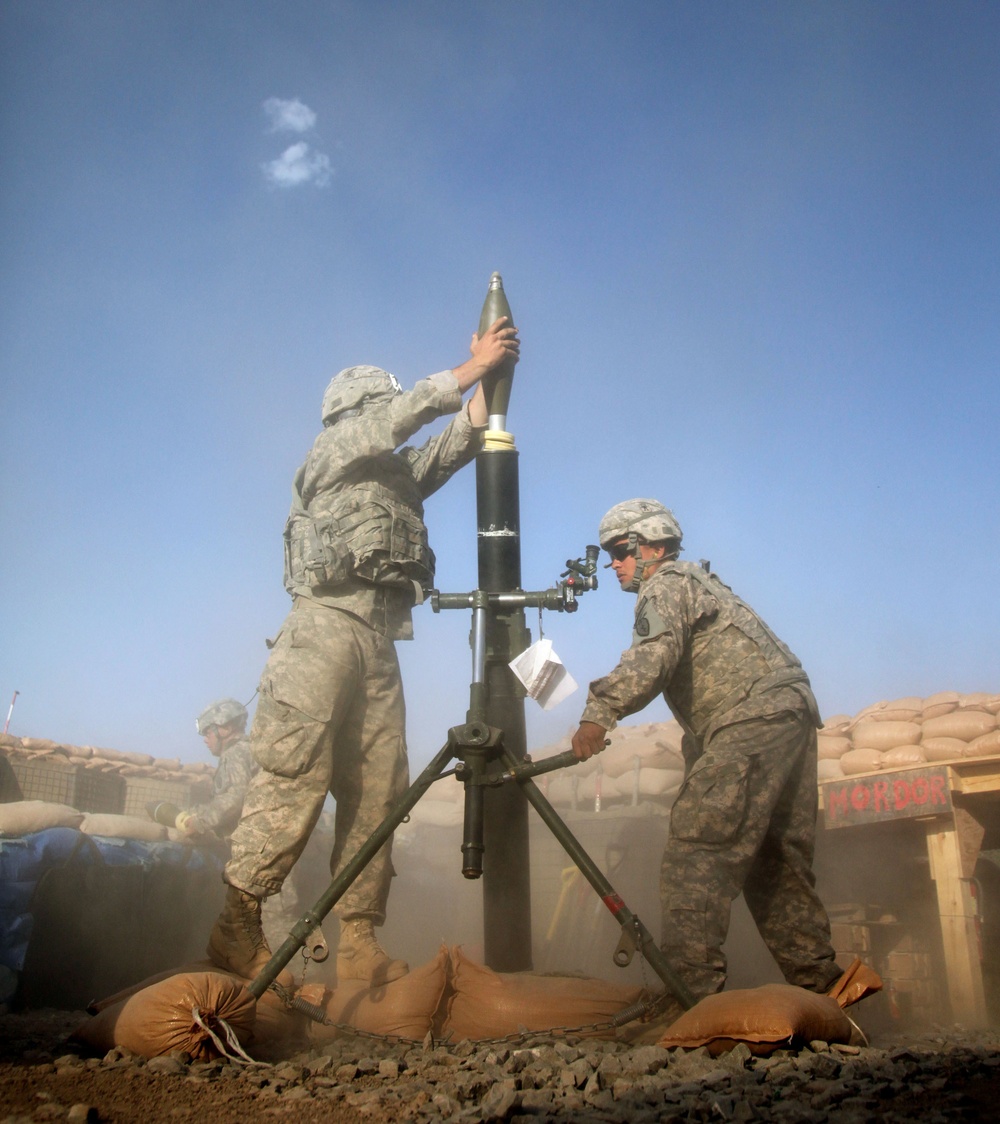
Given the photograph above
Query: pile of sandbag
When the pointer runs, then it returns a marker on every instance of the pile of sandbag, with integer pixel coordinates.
(207, 1013)
(909, 732)
(103, 760)
(642, 763)
(451, 997)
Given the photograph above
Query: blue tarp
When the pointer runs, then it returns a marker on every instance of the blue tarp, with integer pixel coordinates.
(25, 858)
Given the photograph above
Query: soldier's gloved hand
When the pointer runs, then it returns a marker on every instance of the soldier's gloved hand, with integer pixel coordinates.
(588, 740)
(189, 824)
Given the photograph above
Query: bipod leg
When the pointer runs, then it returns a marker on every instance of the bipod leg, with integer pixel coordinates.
(635, 935)
(300, 931)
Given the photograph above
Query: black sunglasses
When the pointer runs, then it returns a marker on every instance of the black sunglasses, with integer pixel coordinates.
(620, 551)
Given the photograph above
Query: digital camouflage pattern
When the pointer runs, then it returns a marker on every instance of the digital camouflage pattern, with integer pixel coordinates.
(233, 773)
(648, 519)
(745, 820)
(745, 817)
(330, 715)
(357, 475)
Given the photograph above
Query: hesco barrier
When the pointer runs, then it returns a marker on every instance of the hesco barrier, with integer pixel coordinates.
(61, 782)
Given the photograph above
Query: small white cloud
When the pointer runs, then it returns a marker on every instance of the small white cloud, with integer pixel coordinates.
(298, 165)
(291, 116)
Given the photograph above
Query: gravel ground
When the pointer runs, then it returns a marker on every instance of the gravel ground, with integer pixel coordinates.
(944, 1074)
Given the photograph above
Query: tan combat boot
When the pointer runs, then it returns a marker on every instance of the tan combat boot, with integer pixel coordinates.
(361, 957)
(237, 943)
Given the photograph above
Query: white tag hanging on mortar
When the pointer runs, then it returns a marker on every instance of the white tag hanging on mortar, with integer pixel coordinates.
(543, 674)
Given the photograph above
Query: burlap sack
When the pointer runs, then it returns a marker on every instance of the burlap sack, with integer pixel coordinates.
(874, 733)
(860, 761)
(22, 817)
(966, 725)
(832, 746)
(909, 709)
(652, 783)
(275, 1021)
(986, 745)
(837, 724)
(943, 749)
(487, 1004)
(901, 756)
(829, 769)
(404, 1008)
(39, 745)
(857, 982)
(766, 1018)
(980, 700)
(162, 1018)
(122, 827)
(944, 702)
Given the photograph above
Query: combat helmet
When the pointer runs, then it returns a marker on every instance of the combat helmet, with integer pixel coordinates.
(637, 519)
(647, 519)
(221, 713)
(354, 387)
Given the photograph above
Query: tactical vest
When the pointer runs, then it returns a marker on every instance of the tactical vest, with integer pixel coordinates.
(369, 525)
(733, 656)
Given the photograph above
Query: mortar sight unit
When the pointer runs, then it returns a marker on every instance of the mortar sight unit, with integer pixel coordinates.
(579, 576)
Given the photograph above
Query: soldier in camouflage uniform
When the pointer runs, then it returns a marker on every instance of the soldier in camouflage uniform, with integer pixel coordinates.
(223, 726)
(745, 817)
(330, 717)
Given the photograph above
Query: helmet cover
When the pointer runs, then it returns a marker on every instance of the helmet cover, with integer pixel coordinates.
(353, 387)
(648, 519)
(220, 713)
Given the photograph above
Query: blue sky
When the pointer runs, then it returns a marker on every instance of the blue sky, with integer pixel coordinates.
(752, 249)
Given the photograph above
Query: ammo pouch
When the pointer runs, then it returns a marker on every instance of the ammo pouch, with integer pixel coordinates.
(388, 541)
(315, 553)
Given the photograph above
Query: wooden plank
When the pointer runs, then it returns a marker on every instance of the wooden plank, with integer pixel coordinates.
(975, 776)
(957, 909)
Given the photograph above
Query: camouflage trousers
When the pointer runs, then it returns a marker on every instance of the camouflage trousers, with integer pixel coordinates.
(330, 718)
(745, 821)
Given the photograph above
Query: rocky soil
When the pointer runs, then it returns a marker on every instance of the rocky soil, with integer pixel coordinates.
(941, 1075)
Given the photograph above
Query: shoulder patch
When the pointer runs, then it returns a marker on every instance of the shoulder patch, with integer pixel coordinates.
(648, 621)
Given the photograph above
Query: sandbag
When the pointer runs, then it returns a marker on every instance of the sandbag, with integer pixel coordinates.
(965, 725)
(860, 761)
(829, 769)
(986, 745)
(122, 827)
(768, 1018)
(831, 746)
(944, 702)
(22, 817)
(857, 983)
(161, 1018)
(909, 709)
(275, 1021)
(651, 783)
(902, 755)
(838, 724)
(980, 700)
(487, 1004)
(943, 749)
(874, 733)
(405, 1008)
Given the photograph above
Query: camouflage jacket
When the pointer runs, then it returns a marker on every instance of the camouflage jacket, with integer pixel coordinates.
(364, 456)
(707, 652)
(229, 788)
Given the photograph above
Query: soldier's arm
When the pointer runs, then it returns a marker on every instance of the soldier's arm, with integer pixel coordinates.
(225, 806)
(661, 632)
